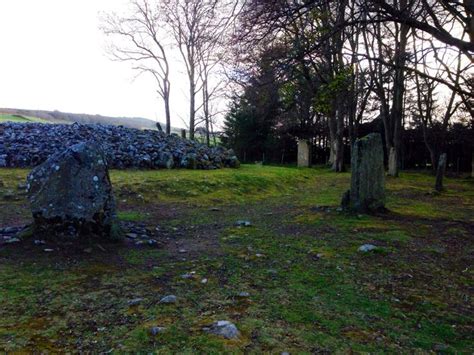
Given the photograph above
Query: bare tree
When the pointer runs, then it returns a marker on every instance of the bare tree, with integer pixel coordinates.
(136, 38)
(435, 18)
(188, 21)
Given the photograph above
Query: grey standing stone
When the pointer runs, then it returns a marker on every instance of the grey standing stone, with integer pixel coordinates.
(71, 194)
(367, 193)
(440, 171)
(304, 154)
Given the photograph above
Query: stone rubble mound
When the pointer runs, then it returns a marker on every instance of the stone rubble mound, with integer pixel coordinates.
(30, 144)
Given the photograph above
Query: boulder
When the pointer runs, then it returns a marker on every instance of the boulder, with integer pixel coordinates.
(71, 194)
(367, 193)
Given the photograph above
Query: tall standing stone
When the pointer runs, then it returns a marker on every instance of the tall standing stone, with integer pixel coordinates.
(440, 171)
(367, 193)
(71, 194)
(304, 154)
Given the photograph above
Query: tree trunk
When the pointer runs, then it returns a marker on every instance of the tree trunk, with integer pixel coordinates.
(192, 113)
(338, 163)
(166, 99)
(440, 172)
(332, 140)
(393, 162)
(396, 116)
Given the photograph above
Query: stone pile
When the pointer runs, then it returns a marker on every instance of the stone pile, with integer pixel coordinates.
(30, 144)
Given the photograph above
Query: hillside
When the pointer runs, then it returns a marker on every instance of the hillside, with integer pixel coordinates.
(21, 115)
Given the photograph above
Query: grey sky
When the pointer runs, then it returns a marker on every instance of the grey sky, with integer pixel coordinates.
(53, 57)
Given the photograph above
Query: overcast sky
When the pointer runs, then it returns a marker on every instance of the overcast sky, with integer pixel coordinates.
(52, 57)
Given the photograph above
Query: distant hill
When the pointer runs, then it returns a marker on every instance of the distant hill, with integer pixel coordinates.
(20, 115)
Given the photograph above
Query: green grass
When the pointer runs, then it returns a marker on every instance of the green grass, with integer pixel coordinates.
(19, 118)
(310, 289)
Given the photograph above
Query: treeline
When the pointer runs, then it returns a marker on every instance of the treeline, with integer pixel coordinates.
(332, 71)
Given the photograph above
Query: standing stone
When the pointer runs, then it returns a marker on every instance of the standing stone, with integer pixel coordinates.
(183, 133)
(367, 193)
(440, 172)
(472, 164)
(71, 194)
(304, 154)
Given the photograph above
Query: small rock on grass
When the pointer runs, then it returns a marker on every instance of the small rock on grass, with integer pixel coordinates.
(169, 299)
(244, 294)
(135, 301)
(242, 223)
(224, 329)
(156, 330)
(367, 247)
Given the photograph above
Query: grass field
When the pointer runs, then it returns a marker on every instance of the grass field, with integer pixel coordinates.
(19, 118)
(310, 290)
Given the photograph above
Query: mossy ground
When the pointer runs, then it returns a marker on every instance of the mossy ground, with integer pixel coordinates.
(310, 290)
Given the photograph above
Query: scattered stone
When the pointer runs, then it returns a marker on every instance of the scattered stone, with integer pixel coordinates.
(242, 223)
(48, 250)
(182, 251)
(39, 242)
(67, 201)
(214, 209)
(204, 281)
(10, 230)
(131, 235)
(12, 240)
(135, 301)
(156, 330)
(258, 255)
(440, 347)
(187, 276)
(367, 193)
(244, 294)
(169, 299)
(367, 247)
(224, 329)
